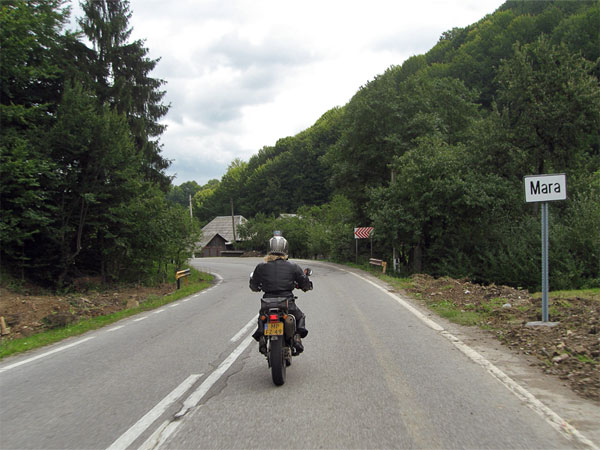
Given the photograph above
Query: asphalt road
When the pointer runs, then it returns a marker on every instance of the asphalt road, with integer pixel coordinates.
(374, 375)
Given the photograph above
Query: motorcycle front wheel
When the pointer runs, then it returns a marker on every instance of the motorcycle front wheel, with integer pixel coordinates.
(277, 360)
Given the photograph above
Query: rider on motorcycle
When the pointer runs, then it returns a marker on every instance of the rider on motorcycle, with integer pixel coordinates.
(277, 277)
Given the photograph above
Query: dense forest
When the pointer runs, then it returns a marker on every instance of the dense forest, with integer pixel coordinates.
(431, 153)
(83, 185)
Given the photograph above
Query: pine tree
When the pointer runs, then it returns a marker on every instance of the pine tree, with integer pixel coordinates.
(123, 80)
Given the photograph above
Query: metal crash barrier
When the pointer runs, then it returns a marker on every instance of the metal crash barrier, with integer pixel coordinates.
(182, 274)
(378, 262)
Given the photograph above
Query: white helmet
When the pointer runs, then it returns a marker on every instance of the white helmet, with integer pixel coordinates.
(278, 245)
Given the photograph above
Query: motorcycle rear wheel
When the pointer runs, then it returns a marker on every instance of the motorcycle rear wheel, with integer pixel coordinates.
(277, 360)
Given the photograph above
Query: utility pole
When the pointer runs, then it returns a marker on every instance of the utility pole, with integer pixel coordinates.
(394, 260)
(191, 215)
(232, 220)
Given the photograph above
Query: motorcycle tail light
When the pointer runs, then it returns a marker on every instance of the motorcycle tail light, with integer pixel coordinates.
(273, 317)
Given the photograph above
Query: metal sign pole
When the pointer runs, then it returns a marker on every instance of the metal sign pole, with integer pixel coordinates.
(542, 189)
(545, 261)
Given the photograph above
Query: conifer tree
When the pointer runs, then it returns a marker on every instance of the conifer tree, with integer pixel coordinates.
(123, 81)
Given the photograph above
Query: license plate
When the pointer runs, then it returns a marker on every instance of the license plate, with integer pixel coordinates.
(274, 329)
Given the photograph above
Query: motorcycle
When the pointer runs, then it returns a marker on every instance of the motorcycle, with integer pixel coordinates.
(279, 333)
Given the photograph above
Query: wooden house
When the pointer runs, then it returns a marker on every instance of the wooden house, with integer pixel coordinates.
(219, 236)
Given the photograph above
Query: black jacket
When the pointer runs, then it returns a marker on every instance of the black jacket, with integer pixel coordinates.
(278, 278)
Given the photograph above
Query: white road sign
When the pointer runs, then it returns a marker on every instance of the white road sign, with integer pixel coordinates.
(545, 188)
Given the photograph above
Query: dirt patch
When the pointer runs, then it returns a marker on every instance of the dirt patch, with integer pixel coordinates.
(28, 312)
(570, 350)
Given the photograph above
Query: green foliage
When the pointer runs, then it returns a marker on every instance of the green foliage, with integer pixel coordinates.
(181, 194)
(30, 82)
(279, 179)
(122, 80)
(260, 230)
(432, 153)
(316, 231)
(81, 182)
(552, 105)
(97, 165)
(330, 229)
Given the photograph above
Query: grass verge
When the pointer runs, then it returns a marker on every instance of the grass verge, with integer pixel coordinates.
(592, 294)
(196, 282)
(483, 312)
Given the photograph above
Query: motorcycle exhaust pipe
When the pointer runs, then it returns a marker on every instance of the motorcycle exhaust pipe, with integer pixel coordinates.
(290, 326)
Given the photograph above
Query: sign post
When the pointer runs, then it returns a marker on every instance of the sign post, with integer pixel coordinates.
(362, 233)
(545, 188)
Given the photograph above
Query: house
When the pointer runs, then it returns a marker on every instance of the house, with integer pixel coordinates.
(218, 235)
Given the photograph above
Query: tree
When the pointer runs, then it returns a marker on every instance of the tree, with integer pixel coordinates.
(122, 73)
(439, 207)
(181, 194)
(551, 104)
(97, 168)
(360, 157)
(330, 229)
(30, 86)
(385, 119)
(202, 197)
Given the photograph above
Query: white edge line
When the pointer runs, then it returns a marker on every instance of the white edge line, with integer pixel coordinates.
(141, 318)
(127, 438)
(118, 327)
(56, 350)
(557, 422)
(244, 330)
(158, 311)
(168, 427)
(553, 419)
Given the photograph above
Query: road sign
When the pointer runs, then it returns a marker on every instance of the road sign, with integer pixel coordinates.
(362, 232)
(545, 188)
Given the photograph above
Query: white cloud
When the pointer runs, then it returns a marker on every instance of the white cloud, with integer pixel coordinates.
(241, 74)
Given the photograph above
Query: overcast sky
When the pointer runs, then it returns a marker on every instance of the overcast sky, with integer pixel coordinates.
(242, 74)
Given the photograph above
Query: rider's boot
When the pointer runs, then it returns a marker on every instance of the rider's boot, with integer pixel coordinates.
(298, 347)
(257, 334)
(262, 345)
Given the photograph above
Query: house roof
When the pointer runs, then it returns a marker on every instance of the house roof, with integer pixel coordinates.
(221, 225)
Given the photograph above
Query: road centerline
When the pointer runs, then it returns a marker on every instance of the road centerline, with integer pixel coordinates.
(127, 438)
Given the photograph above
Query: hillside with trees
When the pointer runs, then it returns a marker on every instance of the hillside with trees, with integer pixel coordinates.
(433, 152)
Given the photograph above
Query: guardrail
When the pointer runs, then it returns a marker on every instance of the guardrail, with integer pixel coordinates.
(182, 274)
(378, 262)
